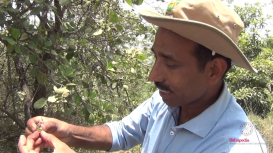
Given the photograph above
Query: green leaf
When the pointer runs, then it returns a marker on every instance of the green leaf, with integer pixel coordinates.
(139, 2)
(10, 48)
(24, 50)
(69, 72)
(48, 43)
(53, 8)
(24, 37)
(9, 40)
(98, 3)
(40, 103)
(115, 117)
(99, 32)
(69, 111)
(36, 10)
(129, 2)
(112, 69)
(69, 56)
(42, 79)
(2, 18)
(93, 95)
(32, 58)
(64, 2)
(109, 65)
(103, 80)
(63, 28)
(85, 93)
(13, 10)
(18, 49)
(35, 39)
(32, 45)
(119, 27)
(51, 99)
(83, 42)
(85, 85)
(114, 17)
(39, 1)
(35, 71)
(89, 108)
(88, 30)
(141, 56)
(107, 106)
(108, 117)
(91, 118)
(27, 2)
(53, 52)
(15, 34)
(77, 100)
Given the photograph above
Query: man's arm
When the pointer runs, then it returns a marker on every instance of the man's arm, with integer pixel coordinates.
(96, 137)
(124, 134)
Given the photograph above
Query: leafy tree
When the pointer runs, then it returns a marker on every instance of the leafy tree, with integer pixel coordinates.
(80, 61)
(253, 91)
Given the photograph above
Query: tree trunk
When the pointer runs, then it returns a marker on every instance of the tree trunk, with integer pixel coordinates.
(24, 87)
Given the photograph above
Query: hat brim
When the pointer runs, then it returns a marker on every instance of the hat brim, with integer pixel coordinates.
(201, 33)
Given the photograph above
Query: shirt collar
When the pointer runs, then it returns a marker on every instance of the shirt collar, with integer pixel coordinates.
(203, 123)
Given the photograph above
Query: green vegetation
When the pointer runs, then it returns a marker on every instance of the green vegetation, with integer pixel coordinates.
(265, 127)
(87, 63)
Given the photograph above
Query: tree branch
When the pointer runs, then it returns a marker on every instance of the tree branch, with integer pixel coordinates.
(16, 120)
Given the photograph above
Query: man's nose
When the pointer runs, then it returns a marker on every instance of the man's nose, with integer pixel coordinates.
(156, 74)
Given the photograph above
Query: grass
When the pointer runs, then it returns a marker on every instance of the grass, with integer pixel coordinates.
(265, 127)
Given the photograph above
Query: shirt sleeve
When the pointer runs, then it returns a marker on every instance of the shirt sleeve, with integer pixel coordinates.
(131, 130)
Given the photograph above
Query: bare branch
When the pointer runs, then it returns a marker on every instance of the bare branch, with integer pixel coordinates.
(16, 120)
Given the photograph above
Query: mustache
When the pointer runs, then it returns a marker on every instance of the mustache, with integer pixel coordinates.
(162, 86)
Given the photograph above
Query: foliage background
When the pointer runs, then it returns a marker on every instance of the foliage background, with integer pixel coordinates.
(87, 63)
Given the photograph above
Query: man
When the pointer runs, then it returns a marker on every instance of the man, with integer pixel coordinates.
(193, 111)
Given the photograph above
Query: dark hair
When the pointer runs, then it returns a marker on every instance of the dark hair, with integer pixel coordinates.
(204, 55)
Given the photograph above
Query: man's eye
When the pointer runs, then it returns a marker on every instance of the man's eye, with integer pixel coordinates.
(171, 66)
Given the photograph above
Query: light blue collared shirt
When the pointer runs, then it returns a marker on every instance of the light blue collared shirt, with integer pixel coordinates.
(221, 128)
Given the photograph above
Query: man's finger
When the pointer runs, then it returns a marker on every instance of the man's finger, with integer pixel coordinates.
(32, 123)
(22, 143)
(27, 131)
(38, 142)
(31, 139)
(43, 145)
(49, 139)
(37, 149)
(47, 125)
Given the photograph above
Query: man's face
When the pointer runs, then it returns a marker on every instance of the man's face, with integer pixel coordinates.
(175, 71)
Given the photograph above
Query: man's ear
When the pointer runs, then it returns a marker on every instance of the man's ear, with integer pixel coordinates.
(216, 69)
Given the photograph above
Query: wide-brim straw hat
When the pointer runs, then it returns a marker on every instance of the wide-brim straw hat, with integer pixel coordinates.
(207, 22)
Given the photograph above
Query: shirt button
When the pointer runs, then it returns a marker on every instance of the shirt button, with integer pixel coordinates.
(171, 133)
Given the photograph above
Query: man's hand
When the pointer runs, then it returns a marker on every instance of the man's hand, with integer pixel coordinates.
(32, 143)
(49, 125)
(27, 145)
(96, 137)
